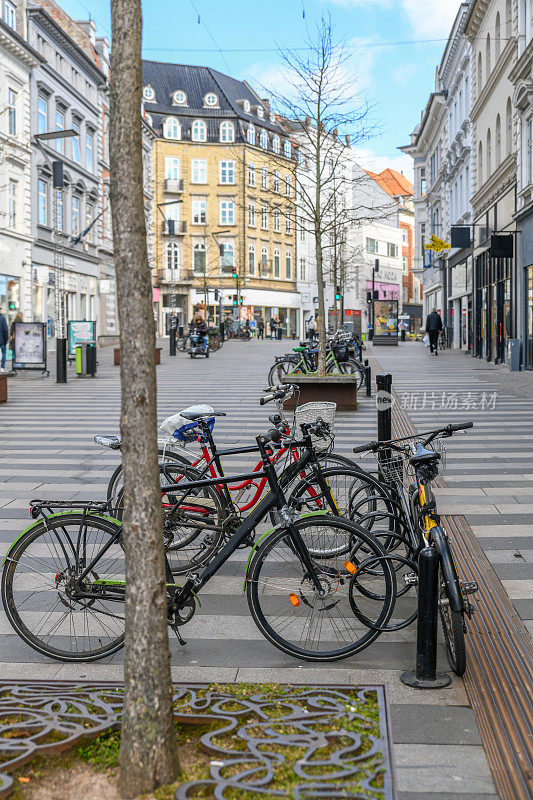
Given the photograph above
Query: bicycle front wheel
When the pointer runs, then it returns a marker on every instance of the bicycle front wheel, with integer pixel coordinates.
(39, 593)
(453, 629)
(295, 617)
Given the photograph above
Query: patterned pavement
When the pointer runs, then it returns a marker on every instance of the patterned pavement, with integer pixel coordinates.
(47, 450)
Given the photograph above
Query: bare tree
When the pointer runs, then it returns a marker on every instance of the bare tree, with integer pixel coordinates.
(148, 751)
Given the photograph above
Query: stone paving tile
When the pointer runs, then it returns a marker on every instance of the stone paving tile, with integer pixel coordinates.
(436, 768)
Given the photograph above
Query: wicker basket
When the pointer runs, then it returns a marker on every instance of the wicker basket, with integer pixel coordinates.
(309, 413)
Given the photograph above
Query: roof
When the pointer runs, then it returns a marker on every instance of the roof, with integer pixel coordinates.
(69, 26)
(393, 182)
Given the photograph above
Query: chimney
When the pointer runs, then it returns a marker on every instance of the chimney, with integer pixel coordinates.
(266, 103)
(335, 134)
(348, 138)
(89, 26)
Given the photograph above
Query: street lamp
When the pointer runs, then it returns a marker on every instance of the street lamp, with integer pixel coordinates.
(60, 306)
(375, 269)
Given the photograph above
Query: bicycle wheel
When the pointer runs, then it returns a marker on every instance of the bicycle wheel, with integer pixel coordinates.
(214, 342)
(351, 367)
(294, 617)
(453, 629)
(280, 369)
(183, 343)
(37, 583)
(116, 481)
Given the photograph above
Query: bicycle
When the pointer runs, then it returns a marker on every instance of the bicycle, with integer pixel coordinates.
(63, 582)
(409, 467)
(304, 364)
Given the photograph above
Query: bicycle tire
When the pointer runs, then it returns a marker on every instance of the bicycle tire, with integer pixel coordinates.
(113, 487)
(13, 598)
(183, 343)
(214, 342)
(453, 629)
(279, 369)
(298, 586)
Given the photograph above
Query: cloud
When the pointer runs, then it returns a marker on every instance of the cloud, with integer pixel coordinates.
(431, 18)
(374, 162)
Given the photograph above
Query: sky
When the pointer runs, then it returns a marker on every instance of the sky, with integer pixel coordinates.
(395, 47)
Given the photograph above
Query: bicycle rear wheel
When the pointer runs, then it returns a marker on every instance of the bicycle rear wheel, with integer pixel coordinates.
(116, 480)
(290, 612)
(38, 588)
(183, 343)
(453, 628)
(280, 369)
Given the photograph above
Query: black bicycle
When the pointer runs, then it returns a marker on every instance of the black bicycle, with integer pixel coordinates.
(63, 582)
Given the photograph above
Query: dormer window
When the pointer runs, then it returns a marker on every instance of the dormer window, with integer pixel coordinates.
(149, 120)
(263, 140)
(287, 149)
(199, 131)
(250, 134)
(276, 144)
(211, 100)
(179, 98)
(148, 94)
(227, 131)
(272, 117)
(260, 112)
(171, 128)
(246, 106)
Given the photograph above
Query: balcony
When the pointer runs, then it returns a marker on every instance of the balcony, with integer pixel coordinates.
(176, 276)
(173, 186)
(173, 228)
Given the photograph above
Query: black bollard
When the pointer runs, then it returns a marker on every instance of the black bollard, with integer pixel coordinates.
(425, 676)
(368, 381)
(172, 343)
(61, 360)
(384, 406)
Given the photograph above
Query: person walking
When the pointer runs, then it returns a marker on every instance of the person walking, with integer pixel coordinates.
(273, 334)
(4, 339)
(433, 329)
(260, 328)
(279, 329)
(311, 328)
(18, 318)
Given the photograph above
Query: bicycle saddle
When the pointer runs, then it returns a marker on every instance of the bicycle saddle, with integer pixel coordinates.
(423, 456)
(111, 441)
(195, 413)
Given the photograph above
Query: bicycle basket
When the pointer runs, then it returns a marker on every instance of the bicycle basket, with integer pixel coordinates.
(309, 413)
(392, 465)
(341, 352)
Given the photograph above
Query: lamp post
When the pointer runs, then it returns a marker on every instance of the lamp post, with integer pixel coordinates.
(375, 269)
(60, 300)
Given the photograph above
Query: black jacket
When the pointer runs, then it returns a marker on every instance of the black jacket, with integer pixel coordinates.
(433, 322)
(4, 331)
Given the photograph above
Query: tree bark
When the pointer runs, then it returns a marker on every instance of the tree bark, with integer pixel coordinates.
(148, 751)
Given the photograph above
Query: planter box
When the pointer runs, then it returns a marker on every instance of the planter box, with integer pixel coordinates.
(340, 389)
(116, 353)
(3, 388)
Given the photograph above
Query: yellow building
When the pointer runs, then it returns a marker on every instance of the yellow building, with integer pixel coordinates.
(224, 204)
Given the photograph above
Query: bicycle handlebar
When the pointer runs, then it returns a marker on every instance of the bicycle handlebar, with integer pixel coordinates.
(460, 426)
(448, 430)
(273, 435)
(364, 447)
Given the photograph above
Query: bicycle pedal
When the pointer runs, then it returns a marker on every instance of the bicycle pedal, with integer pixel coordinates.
(411, 579)
(469, 587)
(469, 609)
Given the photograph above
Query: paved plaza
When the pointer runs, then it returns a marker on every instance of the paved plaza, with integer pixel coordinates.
(47, 451)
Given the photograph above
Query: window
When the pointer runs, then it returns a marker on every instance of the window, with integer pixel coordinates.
(246, 106)
(276, 144)
(264, 218)
(392, 250)
(275, 177)
(227, 212)
(479, 74)
(148, 94)
(198, 170)
(11, 112)
(287, 149)
(59, 209)
(251, 174)
(529, 152)
(89, 217)
(404, 235)
(42, 115)
(288, 264)
(488, 65)
(172, 256)
(277, 262)
(60, 126)
(251, 214)
(264, 262)
(171, 128)
(288, 185)
(172, 211)
(497, 35)
(480, 165)
(251, 259)
(211, 99)
(302, 233)
(89, 148)
(260, 112)
(508, 19)
(199, 131)
(509, 127)
(489, 153)
(199, 212)
(199, 259)
(250, 134)
(172, 168)
(276, 219)
(227, 132)
(10, 14)
(404, 263)
(76, 142)
(227, 258)
(303, 269)
(227, 171)
(75, 216)
(42, 202)
(371, 246)
(263, 140)
(264, 178)
(12, 204)
(179, 98)
(288, 222)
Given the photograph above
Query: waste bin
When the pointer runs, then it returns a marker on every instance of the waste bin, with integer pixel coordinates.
(513, 354)
(86, 359)
(402, 334)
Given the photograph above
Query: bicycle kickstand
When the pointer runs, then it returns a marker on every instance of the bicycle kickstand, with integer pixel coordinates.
(176, 630)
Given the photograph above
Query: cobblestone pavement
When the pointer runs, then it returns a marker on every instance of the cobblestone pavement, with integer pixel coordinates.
(47, 450)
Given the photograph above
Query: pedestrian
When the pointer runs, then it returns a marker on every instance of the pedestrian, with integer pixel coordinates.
(279, 329)
(4, 339)
(273, 328)
(18, 318)
(260, 328)
(433, 328)
(311, 328)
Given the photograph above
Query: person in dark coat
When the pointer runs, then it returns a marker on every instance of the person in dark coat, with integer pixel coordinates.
(433, 328)
(260, 328)
(4, 339)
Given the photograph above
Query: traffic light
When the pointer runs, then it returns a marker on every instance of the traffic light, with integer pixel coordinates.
(234, 274)
(234, 299)
(338, 293)
(242, 300)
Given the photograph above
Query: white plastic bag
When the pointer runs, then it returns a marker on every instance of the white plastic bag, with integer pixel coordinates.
(426, 339)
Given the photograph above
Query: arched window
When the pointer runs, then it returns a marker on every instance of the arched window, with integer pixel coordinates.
(211, 99)
(508, 128)
(263, 140)
(199, 131)
(497, 36)
(488, 166)
(251, 259)
(288, 264)
(179, 98)
(149, 94)
(227, 258)
(479, 74)
(199, 257)
(250, 134)
(264, 262)
(277, 261)
(287, 149)
(508, 19)
(276, 144)
(487, 57)
(171, 128)
(227, 132)
(173, 256)
(498, 142)
(480, 166)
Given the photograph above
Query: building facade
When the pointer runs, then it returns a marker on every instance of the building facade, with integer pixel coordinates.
(224, 230)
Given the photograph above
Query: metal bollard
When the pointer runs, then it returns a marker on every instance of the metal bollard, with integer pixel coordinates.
(384, 406)
(61, 360)
(181, 331)
(172, 341)
(425, 676)
(368, 381)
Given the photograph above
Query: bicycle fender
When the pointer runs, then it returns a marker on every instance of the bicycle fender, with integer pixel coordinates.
(449, 571)
(268, 533)
(53, 516)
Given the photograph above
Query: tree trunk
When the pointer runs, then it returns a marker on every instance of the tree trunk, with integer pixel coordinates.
(322, 322)
(148, 751)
